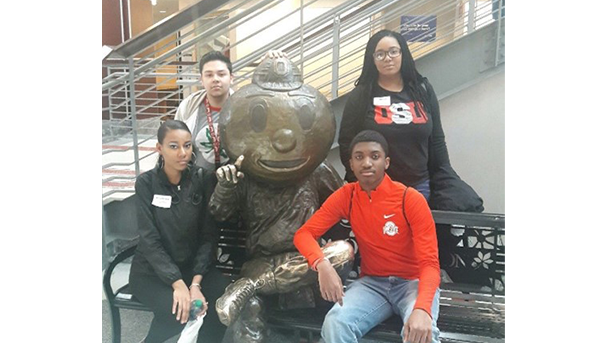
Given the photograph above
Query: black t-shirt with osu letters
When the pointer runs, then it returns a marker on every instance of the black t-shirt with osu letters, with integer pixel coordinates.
(406, 129)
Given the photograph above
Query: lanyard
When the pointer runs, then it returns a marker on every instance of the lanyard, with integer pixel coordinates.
(213, 134)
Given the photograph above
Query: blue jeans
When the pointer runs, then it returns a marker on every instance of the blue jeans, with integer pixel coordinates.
(369, 301)
(423, 188)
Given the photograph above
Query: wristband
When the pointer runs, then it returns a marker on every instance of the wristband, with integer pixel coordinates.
(195, 284)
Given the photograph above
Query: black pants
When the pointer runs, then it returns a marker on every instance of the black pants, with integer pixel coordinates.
(157, 295)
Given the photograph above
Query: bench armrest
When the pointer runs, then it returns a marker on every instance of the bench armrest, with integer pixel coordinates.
(107, 287)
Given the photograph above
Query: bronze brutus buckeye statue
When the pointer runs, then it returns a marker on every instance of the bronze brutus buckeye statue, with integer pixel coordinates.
(278, 131)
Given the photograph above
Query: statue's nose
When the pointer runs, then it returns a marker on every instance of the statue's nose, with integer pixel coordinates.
(284, 140)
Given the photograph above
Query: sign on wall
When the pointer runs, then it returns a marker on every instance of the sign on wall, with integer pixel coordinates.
(419, 28)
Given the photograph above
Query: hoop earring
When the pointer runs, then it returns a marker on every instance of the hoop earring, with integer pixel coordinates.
(161, 162)
(193, 157)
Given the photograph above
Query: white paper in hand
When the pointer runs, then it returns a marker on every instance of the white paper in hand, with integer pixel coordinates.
(191, 329)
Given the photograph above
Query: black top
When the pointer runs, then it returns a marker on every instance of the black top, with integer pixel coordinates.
(416, 139)
(406, 128)
(176, 232)
(413, 158)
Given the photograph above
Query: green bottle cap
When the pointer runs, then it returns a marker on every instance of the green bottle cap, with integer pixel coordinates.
(198, 303)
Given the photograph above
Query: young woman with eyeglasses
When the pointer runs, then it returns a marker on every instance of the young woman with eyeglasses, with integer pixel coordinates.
(394, 99)
(175, 257)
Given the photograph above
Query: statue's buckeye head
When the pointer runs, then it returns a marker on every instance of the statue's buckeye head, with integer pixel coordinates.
(283, 127)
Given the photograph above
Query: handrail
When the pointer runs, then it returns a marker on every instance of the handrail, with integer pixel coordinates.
(261, 52)
(237, 64)
(216, 23)
(419, 46)
(148, 80)
(272, 23)
(254, 55)
(167, 26)
(329, 26)
(295, 32)
(211, 32)
(372, 6)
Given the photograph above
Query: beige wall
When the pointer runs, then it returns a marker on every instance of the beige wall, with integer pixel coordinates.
(186, 3)
(140, 16)
(161, 11)
(474, 124)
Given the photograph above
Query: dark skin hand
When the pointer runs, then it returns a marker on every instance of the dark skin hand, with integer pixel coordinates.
(418, 327)
(331, 286)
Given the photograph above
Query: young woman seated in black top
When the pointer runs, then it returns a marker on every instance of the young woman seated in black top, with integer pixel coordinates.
(175, 257)
(394, 99)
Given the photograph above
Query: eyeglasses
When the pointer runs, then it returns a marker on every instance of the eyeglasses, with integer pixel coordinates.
(380, 55)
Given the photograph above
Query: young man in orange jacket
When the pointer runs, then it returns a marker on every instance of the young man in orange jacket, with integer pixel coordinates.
(396, 235)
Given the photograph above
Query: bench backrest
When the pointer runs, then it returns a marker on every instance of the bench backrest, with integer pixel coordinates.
(471, 248)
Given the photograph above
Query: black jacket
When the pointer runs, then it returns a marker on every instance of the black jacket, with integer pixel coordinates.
(182, 237)
(448, 191)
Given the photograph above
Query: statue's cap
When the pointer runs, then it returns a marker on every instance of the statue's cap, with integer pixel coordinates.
(278, 74)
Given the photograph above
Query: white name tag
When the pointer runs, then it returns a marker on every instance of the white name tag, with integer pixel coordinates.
(163, 201)
(382, 101)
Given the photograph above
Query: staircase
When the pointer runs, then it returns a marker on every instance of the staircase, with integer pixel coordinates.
(456, 44)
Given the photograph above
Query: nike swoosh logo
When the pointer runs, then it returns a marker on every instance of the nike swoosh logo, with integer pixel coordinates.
(388, 216)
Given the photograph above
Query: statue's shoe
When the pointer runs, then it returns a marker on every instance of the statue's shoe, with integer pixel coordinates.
(230, 304)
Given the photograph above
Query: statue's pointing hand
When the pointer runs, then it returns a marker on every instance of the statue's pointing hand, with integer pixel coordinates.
(230, 173)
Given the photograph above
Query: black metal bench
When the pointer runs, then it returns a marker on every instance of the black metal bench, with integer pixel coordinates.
(230, 255)
(472, 301)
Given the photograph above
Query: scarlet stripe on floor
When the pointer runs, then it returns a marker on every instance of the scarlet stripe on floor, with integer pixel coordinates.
(124, 147)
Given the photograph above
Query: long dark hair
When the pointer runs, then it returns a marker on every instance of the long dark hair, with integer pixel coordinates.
(411, 78)
(168, 126)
